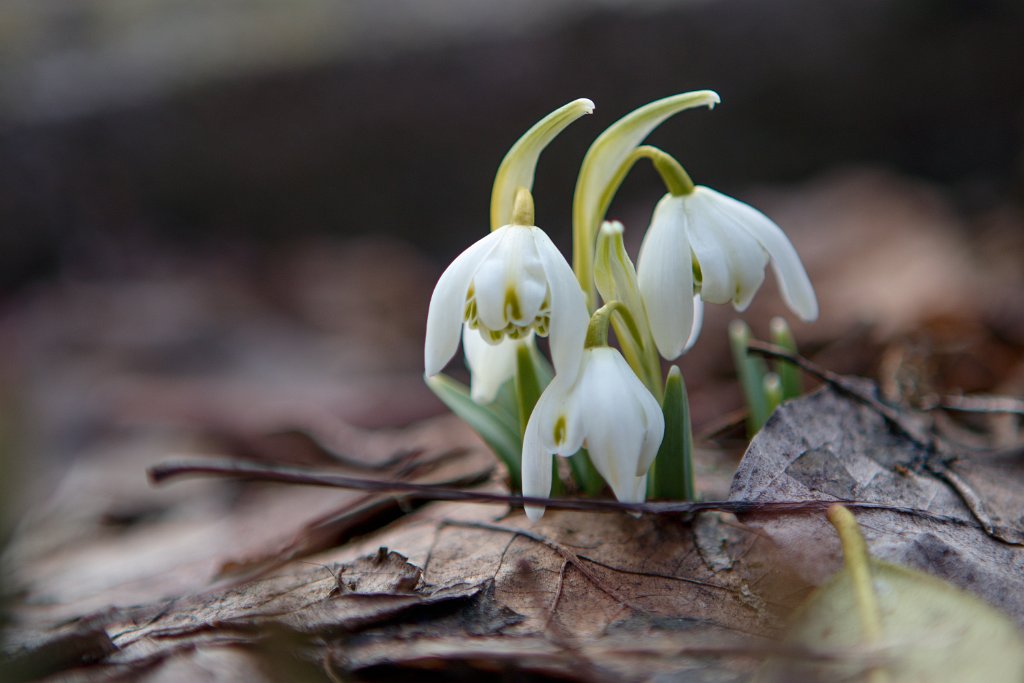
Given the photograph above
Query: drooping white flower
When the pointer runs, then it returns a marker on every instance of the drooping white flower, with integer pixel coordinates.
(707, 243)
(607, 409)
(490, 365)
(510, 283)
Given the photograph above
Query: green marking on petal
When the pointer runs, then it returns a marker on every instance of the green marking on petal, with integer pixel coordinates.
(513, 309)
(560, 430)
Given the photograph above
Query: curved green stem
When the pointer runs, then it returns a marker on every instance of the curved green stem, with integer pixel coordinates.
(677, 182)
(597, 331)
(606, 164)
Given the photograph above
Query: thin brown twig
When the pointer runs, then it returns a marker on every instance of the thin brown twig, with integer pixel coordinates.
(427, 492)
(978, 403)
(912, 431)
(923, 436)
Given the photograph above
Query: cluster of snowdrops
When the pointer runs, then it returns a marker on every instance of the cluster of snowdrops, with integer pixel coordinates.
(608, 409)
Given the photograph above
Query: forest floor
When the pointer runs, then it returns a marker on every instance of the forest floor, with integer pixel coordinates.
(310, 359)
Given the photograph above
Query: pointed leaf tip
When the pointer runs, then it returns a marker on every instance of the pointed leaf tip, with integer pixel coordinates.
(517, 168)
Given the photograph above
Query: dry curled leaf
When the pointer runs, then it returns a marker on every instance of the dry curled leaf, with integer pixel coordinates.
(835, 445)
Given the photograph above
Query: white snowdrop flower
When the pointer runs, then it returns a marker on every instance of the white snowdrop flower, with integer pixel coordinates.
(490, 365)
(512, 282)
(606, 409)
(715, 246)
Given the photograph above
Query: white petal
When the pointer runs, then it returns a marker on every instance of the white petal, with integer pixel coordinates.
(665, 277)
(654, 432)
(715, 276)
(618, 427)
(512, 267)
(448, 302)
(713, 220)
(558, 418)
(536, 468)
(639, 490)
(698, 323)
(789, 271)
(527, 278)
(492, 277)
(569, 316)
(490, 365)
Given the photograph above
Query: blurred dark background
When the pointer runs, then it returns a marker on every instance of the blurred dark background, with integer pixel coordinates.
(211, 210)
(186, 126)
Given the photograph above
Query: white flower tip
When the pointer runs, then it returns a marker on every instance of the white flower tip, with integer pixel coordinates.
(808, 312)
(801, 300)
(431, 367)
(585, 104)
(534, 512)
(481, 395)
(709, 97)
(612, 228)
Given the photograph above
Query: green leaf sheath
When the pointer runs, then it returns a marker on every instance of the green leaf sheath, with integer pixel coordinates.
(495, 427)
(673, 467)
(789, 374)
(751, 371)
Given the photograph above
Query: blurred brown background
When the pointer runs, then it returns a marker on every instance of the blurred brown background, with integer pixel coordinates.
(235, 211)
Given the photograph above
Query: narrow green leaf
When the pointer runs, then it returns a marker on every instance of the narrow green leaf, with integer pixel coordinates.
(789, 374)
(527, 385)
(751, 371)
(588, 479)
(518, 166)
(673, 467)
(492, 426)
(772, 391)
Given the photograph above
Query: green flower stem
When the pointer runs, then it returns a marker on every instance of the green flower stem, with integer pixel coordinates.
(858, 564)
(789, 374)
(597, 331)
(751, 371)
(672, 473)
(677, 181)
(630, 340)
(606, 164)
